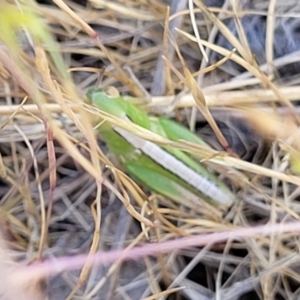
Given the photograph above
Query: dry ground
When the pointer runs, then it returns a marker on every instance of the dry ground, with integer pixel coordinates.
(52, 200)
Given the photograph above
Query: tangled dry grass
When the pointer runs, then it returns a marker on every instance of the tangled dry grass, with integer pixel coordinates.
(230, 64)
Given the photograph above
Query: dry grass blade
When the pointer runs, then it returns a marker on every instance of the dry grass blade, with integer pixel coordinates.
(270, 36)
(162, 74)
(52, 160)
(195, 28)
(191, 83)
(227, 33)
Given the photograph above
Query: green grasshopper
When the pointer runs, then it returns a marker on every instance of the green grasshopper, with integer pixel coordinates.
(165, 170)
